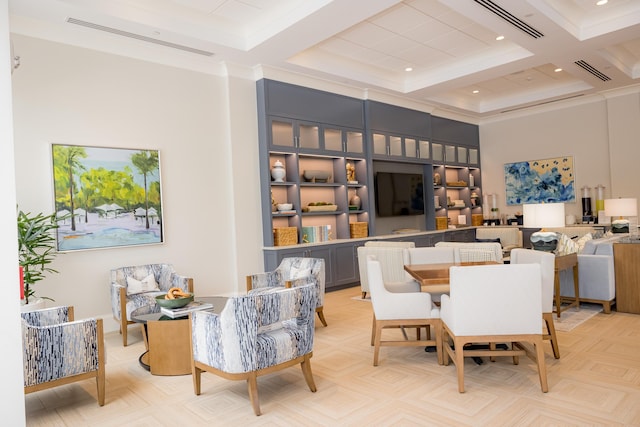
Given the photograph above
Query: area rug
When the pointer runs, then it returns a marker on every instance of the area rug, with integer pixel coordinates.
(568, 320)
(571, 318)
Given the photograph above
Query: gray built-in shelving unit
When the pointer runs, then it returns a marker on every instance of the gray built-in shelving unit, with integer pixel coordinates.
(308, 129)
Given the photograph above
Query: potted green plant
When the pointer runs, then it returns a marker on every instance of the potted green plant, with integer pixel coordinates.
(36, 249)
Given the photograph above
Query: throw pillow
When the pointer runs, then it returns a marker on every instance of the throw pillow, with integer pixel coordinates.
(582, 241)
(566, 246)
(147, 284)
(299, 273)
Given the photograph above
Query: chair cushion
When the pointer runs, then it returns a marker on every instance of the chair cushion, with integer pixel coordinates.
(148, 284)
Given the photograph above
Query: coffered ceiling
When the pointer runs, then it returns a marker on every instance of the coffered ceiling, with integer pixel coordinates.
(551, 50)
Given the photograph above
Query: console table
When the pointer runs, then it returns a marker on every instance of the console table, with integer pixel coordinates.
(626, 260)
(565, 262)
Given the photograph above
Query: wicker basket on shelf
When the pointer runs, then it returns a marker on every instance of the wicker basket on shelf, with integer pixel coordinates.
(477, 219)
(359, 229)
(283, 236)
(442, 223)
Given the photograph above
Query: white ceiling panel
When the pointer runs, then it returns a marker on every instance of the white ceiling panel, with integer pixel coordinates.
(451, 44)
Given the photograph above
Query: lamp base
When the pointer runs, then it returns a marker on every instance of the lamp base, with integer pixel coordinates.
(620, 226)
(546, 241)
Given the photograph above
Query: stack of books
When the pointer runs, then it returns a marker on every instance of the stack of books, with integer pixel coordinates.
(184, 311)
(318, 233)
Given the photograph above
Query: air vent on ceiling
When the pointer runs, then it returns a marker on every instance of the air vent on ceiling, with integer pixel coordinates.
(138, 36)
(591, 69)
(516, 22)
(542, 103)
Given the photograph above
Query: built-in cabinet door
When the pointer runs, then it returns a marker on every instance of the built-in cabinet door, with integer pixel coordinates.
(347, 264)
(294, 134)
(343, 141)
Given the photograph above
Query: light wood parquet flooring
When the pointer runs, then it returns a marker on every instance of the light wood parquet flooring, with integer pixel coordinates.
(596, 382)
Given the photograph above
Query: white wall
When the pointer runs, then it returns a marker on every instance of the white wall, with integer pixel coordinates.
(11, 392)
(71, 95)
(578, 129)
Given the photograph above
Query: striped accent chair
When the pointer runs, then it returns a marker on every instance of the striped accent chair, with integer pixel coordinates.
(137, 286)
(294, 271)
(254, 335)
(475, 251)
(58, 350)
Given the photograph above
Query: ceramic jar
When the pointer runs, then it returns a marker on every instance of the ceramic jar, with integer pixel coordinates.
(278, 172)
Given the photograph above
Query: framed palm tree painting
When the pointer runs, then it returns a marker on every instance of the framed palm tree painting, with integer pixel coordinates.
(106, 197)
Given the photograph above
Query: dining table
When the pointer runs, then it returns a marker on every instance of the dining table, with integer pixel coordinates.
(435, 277)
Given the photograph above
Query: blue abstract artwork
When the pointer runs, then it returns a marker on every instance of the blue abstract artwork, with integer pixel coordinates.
(540, 181)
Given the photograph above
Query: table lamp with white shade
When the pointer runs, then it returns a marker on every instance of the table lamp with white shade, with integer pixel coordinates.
(621, 211)
(544, 215)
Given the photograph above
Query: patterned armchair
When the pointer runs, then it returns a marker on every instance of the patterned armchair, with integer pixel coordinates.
(137, 286)
(57, 350)
(291, 272)
(255, 335)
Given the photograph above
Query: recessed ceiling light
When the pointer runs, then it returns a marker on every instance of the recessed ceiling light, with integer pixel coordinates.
(557, 70)
(408, 69)
(601, 2)
(476, 91)
(500, 38)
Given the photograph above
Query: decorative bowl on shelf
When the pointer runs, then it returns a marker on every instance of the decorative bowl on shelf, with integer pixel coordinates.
(316, 176)
(173, 303)
(284, 206)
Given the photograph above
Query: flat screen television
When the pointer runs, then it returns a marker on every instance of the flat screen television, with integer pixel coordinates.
(399, 194)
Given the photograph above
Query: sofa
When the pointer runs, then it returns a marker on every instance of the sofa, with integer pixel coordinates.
(597, 279)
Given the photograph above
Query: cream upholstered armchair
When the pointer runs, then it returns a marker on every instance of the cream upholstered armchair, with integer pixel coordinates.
(137, 286)
(58, 350)
(493, 304)
(254, 335)
(547, 263)
(294, 271)
(398, 309)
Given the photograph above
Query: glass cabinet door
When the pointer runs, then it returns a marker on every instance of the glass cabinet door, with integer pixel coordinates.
(309, 136)
(379, 144)
(282, 133)
(423, 149)
(355, 143)
(462, 154)
(473, 157)
(395, 146)
(450, 154)
(333, 139)
(410, 147)
(437, 152)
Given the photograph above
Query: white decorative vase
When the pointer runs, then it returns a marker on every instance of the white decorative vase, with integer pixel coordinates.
(355, 201)
(278, 172)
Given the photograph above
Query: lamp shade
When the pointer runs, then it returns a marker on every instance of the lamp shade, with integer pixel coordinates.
(621, 207)
(543, 215)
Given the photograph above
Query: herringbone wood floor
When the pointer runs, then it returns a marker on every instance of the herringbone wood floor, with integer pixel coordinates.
(596, 382)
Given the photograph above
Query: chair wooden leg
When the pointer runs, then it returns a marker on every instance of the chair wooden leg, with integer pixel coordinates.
(376, 344)
(492, 347)
(252, 385)
(306, 371)
(364, 295)
(123, 330)
(100, 377)
(196, 373)
(551, 329)
(459, 353)
(516, 359)
(439, 350)
(320, 312)
(542, 369)
(373, 330)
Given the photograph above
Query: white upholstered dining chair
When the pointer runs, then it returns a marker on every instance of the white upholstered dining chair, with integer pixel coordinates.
(493, 304)
(546, 260)
(397, 309)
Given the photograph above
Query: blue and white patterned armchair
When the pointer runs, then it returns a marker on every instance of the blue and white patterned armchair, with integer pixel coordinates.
(254, 335)
(291, 272)
(137, 286)
(57, 350)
